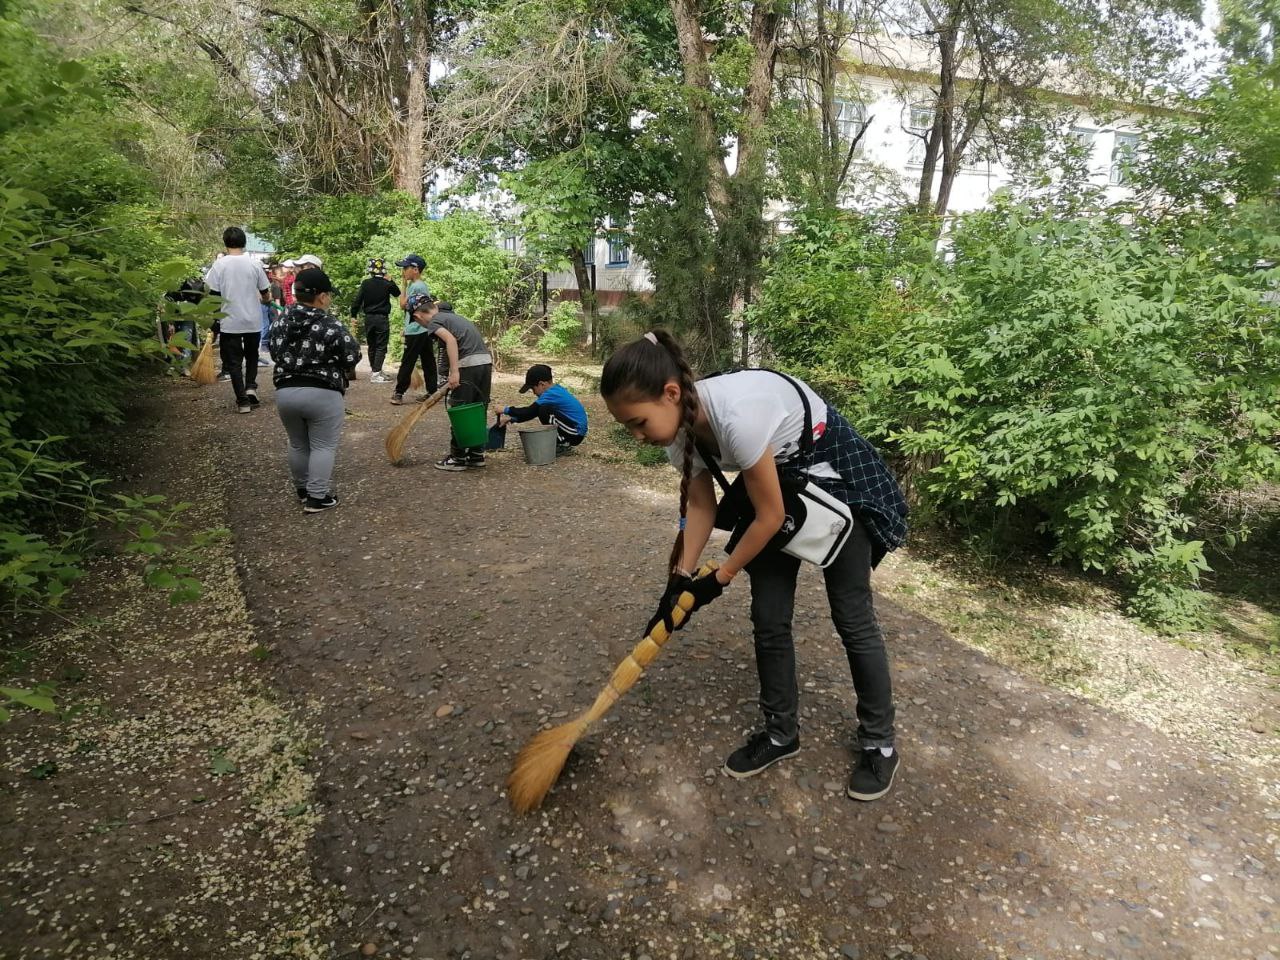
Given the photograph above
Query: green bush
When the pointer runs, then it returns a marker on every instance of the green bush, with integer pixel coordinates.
(564, 330)
(83, 263)
(1109, 385)
(464, 265)
(835, 293)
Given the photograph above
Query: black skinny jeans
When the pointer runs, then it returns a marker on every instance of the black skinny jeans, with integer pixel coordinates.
(240, 359)
(377, 332)
(417, 346)
(773, 594)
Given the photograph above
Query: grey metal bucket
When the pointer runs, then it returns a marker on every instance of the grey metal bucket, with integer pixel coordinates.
(539, 445)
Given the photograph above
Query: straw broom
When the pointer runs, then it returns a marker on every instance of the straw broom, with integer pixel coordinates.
(416, 381)
(400, 432)
(539, 762)
(202, 371)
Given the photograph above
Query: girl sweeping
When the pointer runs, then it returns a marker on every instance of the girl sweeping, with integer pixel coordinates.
(753, 421)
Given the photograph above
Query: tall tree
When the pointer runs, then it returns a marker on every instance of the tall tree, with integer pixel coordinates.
(342, 89)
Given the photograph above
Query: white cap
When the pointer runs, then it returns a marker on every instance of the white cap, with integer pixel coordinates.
(310, 259)
(291, 263)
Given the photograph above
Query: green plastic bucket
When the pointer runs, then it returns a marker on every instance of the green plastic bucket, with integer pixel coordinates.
(469, 422)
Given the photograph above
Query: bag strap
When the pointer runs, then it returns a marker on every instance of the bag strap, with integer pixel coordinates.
(806, 436)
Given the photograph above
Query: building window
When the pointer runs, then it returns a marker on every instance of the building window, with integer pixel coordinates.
(1122, 154)
(619, 250)
(919, 124)
(589, 252)
(509, 243)
(850, 115)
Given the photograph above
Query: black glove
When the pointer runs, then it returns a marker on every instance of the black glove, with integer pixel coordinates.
(704, 590)
(666, 604)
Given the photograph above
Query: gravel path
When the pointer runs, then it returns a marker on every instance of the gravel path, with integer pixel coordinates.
(434, 621)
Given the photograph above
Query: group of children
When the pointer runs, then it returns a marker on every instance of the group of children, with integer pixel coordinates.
(765, 426)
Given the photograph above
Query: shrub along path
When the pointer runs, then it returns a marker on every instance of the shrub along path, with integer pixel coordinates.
(433, 621)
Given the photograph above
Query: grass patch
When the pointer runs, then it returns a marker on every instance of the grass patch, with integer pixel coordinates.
(643, 453)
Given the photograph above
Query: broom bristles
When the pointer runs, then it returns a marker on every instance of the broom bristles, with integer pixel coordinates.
(539, 762)
(202, 371)
(416, 381)
(399, 434)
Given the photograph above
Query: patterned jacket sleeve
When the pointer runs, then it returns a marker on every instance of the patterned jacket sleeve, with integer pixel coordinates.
(346, 348)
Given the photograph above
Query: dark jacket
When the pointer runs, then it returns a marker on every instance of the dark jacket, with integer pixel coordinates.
(374, 297)
(311, 348)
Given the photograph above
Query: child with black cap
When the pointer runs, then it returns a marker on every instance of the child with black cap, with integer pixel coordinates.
(374, 298)
(315, 358)
(553, 405)
(416, 342)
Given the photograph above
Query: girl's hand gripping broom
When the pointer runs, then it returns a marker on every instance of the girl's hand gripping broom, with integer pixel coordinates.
(400, 432)
(539, 762)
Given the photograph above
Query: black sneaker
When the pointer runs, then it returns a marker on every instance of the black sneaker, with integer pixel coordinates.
(224, 377)
(872, 775)
(319, 506)
(244, 407)
(759, 753)
(452, 464)
(397, 399)
(251, 394)
(302, 492)
(475, 459)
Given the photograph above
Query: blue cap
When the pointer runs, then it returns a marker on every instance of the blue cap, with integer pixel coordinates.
(412, 260)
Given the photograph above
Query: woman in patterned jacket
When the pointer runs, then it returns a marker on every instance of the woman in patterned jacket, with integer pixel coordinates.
(315, 359)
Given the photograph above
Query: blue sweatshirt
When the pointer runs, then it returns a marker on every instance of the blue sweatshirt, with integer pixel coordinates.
(559, 403)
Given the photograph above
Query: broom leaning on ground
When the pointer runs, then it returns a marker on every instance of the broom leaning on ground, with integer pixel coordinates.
(400, 432)
(539, 762)
(202, 371)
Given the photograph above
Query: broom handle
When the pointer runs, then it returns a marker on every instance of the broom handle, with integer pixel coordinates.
(626, 673)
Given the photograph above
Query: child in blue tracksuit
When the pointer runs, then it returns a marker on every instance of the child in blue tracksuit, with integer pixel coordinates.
(554, 405)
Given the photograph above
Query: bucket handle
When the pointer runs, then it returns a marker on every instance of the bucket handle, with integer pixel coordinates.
(467, 383)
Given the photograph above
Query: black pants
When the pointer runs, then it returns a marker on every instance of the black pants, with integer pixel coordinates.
(566, 433)
(773, 594)
(417, 346)
(240, 350)
(474, 388)
(377, 332)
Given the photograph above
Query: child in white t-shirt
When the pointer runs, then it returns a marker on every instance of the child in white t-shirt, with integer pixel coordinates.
(751, 421)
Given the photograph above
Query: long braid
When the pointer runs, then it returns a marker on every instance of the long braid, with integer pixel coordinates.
(689, 410)
(644, 367)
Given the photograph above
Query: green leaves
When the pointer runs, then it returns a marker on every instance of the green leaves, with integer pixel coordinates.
(1088, 374)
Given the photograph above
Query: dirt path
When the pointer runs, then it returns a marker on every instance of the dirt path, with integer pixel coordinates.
(436, 620)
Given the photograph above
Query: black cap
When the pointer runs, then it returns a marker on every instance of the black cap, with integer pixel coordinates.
(310, 282)
(538, 373)
(412, 260)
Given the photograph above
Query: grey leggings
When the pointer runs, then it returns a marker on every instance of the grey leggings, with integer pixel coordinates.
(312, 416)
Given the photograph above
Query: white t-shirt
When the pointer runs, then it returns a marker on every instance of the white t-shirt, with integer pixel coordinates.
(239, 278)
(754, 412)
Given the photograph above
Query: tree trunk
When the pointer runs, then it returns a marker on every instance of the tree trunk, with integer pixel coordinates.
(408, 157)
(587, 295)
(697, 77)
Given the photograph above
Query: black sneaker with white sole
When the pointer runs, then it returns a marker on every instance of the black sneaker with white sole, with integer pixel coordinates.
(301, 492)
(315, 505)
(452, 464)
(872, 775)
(758, 754)
(244, 406)
(251, 394)
(475, 460)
